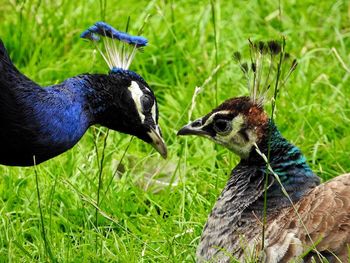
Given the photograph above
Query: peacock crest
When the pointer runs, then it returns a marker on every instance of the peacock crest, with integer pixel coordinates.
(119, 48)
(268, 66)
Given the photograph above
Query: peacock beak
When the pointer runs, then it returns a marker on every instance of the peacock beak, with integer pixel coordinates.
(194, 128)
(157, 141)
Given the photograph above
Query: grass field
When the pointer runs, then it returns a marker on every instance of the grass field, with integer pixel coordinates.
(153, 210)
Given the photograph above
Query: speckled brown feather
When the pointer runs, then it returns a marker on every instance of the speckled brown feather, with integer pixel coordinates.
(325, 213)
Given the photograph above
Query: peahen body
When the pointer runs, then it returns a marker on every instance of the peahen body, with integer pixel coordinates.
(234, 227)
(45, 122)
(317, 226)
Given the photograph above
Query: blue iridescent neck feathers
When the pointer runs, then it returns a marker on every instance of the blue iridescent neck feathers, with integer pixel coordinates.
(45, 122)
(287, 162)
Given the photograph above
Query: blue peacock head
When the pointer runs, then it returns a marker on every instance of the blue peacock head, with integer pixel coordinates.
(132, 97)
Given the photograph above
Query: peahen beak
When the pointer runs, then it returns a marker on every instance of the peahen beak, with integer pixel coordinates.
(158, 142)
(194, 128)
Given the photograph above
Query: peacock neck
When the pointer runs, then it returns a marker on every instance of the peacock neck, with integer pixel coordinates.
(90, 91)
(64, 111)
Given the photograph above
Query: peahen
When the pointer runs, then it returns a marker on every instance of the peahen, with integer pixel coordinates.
(45, 122)
(316, 228)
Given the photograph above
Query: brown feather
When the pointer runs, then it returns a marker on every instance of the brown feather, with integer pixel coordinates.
(325, 213)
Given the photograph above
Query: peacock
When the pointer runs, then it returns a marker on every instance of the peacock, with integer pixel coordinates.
(40, 123)
(302, 220)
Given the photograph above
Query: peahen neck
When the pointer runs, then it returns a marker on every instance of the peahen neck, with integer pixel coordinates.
(287, 162)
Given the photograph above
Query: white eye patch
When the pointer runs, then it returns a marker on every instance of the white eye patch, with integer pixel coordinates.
(236, 126)
(153, 111)
(234, 140)
(136, 94)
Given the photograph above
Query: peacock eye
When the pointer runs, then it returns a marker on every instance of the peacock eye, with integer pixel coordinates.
(222, 126)
(146, 102)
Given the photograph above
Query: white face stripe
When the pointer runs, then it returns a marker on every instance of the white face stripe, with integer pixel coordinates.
(153, 111)
(211, 118)
(136, 94)
(154, 108)
(209, 121)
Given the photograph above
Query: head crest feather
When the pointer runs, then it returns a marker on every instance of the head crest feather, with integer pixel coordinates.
(120, 47)
(266, 68)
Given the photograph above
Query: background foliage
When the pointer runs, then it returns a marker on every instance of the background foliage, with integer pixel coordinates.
(152, 210)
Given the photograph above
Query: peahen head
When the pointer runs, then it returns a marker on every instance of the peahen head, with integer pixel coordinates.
(237, 124)
(131, 96)
(136, 105)
(241, 123)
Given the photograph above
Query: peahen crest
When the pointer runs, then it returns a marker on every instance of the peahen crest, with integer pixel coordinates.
(266, 68)
(119, 47)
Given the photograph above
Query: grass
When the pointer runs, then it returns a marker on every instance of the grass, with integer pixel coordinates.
(145, 220)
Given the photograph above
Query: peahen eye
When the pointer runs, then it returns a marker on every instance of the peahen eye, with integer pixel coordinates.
(222, 126)
(146, 102)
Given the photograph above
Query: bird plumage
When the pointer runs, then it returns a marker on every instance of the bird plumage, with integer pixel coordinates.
(234, 226)
(44, 122)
